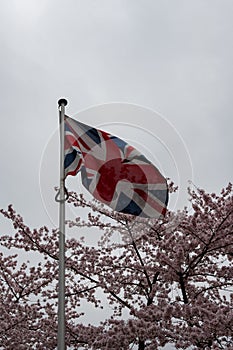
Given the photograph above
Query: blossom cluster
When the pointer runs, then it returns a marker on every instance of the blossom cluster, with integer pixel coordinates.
(165, 281)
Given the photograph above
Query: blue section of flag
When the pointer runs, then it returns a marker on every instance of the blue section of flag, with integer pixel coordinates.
(126, 205)
(67, 128)
(93, 134)
(69, 158)
(85, 180)
(120, 143)
(161, 195)
(90, 132)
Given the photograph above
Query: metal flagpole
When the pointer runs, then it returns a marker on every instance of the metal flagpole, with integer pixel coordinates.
(62, 197)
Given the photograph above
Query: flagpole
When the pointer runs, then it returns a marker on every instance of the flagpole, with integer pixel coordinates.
(61, 282)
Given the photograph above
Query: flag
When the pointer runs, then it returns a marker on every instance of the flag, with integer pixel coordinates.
(114, 172)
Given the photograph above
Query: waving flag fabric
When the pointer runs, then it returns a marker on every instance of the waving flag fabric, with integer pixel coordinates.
(114, 172)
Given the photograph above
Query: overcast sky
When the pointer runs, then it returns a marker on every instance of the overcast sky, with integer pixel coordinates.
(170, 60)
(171, 57)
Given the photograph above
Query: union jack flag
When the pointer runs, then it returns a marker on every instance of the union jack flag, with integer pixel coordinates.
(114, 172)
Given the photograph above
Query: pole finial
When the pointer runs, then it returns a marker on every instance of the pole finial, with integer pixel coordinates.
(62, 101)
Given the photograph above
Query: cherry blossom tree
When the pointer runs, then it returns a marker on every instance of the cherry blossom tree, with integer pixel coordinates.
(165, 281)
